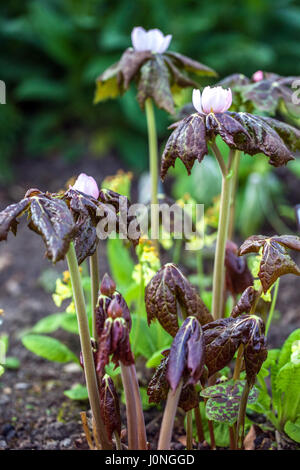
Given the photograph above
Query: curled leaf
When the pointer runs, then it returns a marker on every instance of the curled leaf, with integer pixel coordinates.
(275, 260)
(223, 337)
(8, 217)
(158, 388)
(187, 354)
(167, 289)
(109, 406)
(245, 302)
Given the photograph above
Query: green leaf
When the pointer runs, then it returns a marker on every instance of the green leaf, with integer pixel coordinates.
(120, 262)
(288, 383)
(78, 392)
(69, 323)
(286, 350)
(48, 324)
(293, 430)
(48, 348)
(151, 339)
(12, 363)
(155, 359)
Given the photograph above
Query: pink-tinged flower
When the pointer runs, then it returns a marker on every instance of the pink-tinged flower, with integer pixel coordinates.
(213, 100)
(152, 40)
(258, 76)
(87, 185)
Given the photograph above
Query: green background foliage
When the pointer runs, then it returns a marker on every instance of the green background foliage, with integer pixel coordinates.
(52, 51)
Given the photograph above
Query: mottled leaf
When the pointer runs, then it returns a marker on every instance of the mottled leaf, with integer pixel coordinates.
(154, 82)
(167, 289)
(187, 142)
(130, 64)
(245, 302)
(275, 260)
(109, 406)
(51, 218)
(234, 80)
(240, 131)
(224, 400)
(237, 276)
(187, 354)
(223, 337)
(86, 240)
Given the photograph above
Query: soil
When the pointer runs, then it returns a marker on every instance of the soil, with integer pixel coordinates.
(34, 412)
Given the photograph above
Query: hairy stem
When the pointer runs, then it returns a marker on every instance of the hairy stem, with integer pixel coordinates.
(189, 430)
(168, 418)
(219, 268)
(272, 308)
(153, 164)
(85, 341)
(199, 425)
(94, 273)
(131, 412)
(142, 438)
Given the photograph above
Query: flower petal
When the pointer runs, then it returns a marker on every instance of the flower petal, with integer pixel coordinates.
(197, 100)
(139, 38)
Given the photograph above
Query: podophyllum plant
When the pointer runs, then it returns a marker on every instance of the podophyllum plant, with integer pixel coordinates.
(203, 343)
(160, 75)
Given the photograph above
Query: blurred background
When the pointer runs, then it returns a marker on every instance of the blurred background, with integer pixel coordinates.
(53, 50)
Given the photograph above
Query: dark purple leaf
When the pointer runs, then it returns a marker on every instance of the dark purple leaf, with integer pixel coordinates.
(168, 289)
(186, 354)
(109, 406)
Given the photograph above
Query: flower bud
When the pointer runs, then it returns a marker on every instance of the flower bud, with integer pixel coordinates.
(87, 185)
(258, 76)
(107, 286)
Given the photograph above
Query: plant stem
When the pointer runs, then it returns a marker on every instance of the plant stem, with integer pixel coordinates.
(118, 441)
(241, 416)
(177, 251)
(235, 169)
(85, 341)
(86, 430)
(94, 273)
(142, 438)
(168, 418)
(219, 268)
(199, 424)
(232, 437)
(189, 430)
(238, 363)
(153, 164)
(131, 414)
(272, 308)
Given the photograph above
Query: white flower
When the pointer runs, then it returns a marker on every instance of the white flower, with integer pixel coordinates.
(87, 185)
(213, 100)
(152, 40)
